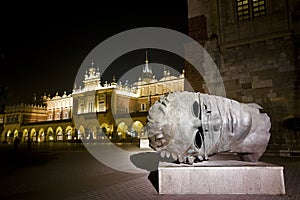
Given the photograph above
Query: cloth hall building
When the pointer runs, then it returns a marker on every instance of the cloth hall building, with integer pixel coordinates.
(90, 112)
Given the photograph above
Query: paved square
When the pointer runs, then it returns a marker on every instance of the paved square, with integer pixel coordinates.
(68, 171)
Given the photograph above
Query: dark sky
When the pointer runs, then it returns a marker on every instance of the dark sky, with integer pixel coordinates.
(43, 46)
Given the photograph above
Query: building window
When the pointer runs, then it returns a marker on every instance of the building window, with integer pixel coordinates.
(247, 9)
(11, 119)
(243, 11)
(102, 106)
(91, 107)
(259, 8)
(102, 103)
(143, 107)
(66, 115)
(81, 107)
(16, 119)
(126, 110)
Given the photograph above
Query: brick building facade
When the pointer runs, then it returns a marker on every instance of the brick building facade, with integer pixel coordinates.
(255, 45)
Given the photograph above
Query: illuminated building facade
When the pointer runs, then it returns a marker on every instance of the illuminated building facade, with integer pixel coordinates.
(113, 109)
(51, 121)
(120, 109)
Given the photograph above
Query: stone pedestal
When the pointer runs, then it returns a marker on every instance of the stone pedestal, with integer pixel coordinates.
(221, 177)
(144, 143)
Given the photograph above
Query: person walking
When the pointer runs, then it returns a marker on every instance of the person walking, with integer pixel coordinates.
(16, 143)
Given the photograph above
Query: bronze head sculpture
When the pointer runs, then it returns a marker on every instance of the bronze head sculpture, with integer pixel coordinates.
(190, 127)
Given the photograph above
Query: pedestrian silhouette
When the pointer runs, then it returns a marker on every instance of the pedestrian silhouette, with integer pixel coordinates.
(16, 143)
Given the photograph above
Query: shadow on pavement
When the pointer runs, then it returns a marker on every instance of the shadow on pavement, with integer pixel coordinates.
(153, 178)
(149, 161)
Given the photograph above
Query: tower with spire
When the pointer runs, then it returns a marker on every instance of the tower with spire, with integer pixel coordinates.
(147, 74)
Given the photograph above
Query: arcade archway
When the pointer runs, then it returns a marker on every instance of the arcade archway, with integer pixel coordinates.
(33, 135)
(122, 129)
(81, 133)
(137, 128)
(41, 136)
(59, 134)
(25, 135)
(9, 136)
(50, 134)
(69, 135)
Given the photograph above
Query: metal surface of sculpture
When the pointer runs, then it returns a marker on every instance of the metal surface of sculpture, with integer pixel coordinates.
(190, 127)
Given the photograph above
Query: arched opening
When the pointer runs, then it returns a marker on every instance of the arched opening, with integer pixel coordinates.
(91, 132)
(59, 134)
(137, 129)
(105, 130)
(25, 135)
(41, 135)
(50, 134)
(16, 134)
(122, 130)
(81, 133)
(33, 135)
(9, 136)
(69, 135)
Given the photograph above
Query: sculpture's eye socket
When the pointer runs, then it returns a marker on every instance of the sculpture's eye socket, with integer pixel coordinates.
(198, 139)
(196, 109)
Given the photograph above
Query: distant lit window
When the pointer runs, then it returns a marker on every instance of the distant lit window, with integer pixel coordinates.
(66, 115)
(258, 8)
(91, 107)
(81, 107)
(243, 9)
(11, 119)
(247, 9)
(16, 119)
(102, 106)
(143, 107)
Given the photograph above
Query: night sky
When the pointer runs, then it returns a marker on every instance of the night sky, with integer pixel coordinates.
(43, 46)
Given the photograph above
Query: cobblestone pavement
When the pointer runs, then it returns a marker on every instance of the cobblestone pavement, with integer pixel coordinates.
(69, 171)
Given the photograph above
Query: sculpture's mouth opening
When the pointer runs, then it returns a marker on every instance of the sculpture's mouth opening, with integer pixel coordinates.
(158, 141)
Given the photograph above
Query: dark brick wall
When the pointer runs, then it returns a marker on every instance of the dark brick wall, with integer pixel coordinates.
(259, 61)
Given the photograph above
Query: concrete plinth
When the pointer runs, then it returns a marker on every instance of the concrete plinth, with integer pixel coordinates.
(144, 143)
(221, 177)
